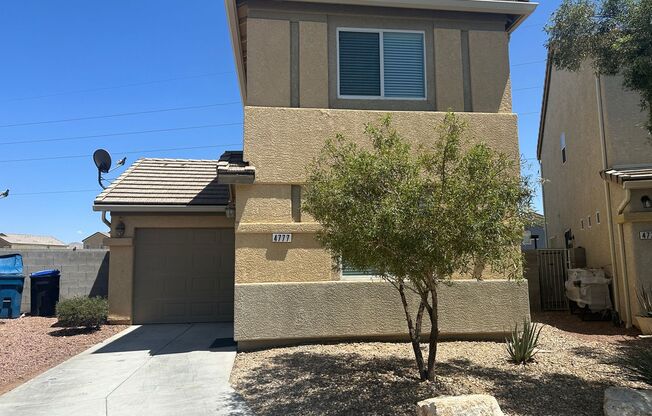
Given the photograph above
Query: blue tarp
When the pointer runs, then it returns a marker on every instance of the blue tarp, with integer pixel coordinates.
(11, 265)
(46, 273)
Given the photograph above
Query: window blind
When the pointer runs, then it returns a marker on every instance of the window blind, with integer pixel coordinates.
(359, 62)
(403, 64)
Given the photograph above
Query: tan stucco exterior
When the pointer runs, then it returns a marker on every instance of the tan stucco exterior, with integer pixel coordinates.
(121, 263)
(286, 55)
(586, 109)
(372, 309)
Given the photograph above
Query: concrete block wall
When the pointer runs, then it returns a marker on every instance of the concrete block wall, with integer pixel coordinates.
(83, 272)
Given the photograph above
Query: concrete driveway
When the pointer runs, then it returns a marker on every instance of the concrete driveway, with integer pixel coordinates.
(177, 369)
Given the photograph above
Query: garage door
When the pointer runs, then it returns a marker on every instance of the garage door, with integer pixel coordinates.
(183, 275)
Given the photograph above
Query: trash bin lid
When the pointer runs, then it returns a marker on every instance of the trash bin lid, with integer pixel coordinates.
(11, 264)
(46, 273)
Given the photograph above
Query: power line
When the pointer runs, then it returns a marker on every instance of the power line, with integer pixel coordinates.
(128, 133)
(517, 89)
(132, 152)
(135, 84)
(528, 113)
(192, 107)
(529, 63)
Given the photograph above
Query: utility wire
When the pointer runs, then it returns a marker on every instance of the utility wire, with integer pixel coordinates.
(133, 152)
(55, 192)
(162, 110)
(517, 89)
(529, 63)
(135, 84)
(128, 133)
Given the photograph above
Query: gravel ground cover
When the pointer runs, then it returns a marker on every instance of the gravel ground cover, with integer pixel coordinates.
(31, 345)
(577, 362)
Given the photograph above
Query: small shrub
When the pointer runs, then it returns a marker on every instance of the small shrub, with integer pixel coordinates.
(638, 362)
(521, 345)
(82, 311)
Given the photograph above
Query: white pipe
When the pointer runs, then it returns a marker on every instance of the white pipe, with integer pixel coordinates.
(607, 194)
(623, 259)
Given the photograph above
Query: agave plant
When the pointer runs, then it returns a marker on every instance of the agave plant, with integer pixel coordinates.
(522, 344)
(644, 296)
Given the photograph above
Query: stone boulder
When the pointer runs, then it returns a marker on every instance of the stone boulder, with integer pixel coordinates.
(620, 401)
(468, 405)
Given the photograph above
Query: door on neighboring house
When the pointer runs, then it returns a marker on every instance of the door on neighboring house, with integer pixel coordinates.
(183, 275)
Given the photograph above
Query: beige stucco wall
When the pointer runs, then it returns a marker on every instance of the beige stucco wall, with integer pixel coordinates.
(297, 135)
(268, 62)
(121, 263)
(270, 57)
(273, 313)
(575, 190)
(489, 63)
(448, 70)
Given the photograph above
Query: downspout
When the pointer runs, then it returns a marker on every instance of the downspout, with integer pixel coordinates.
(607, 193)
(623, 260)
(105, 221)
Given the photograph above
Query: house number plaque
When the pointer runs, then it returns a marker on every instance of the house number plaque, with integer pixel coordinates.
(645, 235)
(281, 238)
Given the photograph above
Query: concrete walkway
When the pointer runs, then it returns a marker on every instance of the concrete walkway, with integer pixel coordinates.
(144, 370)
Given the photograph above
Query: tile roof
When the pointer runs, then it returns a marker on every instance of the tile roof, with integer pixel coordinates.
(105, 234)
(231, 168)
(620, 175)
(41, 240)
(179, 182)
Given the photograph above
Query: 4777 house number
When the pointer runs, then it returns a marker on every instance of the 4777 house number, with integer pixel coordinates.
(281, 238)
(645, 235)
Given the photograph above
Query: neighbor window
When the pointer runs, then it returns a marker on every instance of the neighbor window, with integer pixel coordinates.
(588, 221)
(582, 224)
(562, 145)
(384, 64)
(597, 217)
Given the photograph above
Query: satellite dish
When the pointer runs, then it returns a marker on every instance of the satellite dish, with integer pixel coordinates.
(102, 160)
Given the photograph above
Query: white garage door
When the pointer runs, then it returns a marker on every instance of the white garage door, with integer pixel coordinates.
(183, 275)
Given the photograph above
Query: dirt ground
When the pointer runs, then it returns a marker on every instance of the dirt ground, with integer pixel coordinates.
(577, 362)
(31, 345)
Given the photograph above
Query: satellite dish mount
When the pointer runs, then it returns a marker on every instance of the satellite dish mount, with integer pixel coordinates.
(102, 160)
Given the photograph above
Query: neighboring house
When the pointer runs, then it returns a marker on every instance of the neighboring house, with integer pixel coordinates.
(20, 241)
(95, 240)
(207, 240)
(535, 234)
(596, 166)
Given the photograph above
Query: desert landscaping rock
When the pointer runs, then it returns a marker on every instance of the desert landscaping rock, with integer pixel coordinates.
(467, 405)
(31, 345)
(378, 378)
(627, 402)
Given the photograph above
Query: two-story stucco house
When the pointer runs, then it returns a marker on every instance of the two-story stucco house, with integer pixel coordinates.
(202, 240)
(596, 165)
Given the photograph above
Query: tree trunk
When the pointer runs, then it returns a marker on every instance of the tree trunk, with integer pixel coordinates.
(434, 335)
(415, 331)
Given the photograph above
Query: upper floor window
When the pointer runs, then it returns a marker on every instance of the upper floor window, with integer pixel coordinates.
(562, 146)
(381, 64)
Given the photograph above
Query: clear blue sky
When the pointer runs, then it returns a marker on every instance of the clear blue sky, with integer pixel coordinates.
(77, 59)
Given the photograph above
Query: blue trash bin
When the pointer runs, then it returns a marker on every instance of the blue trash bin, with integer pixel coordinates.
(11, 285)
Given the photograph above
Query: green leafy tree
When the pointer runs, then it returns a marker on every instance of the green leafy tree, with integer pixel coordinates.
(615, 35)
(418, 215)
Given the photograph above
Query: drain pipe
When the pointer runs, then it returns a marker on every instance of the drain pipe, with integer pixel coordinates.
(623, 259)
(607, 193)
(105, 221)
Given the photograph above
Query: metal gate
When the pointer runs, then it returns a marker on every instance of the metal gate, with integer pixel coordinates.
(553, 268)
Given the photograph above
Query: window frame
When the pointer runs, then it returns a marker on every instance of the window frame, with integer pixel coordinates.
(382, 64)
(562, 148)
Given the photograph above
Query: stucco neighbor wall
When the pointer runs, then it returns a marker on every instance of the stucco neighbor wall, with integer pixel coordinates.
(121, 266)
(275, 313)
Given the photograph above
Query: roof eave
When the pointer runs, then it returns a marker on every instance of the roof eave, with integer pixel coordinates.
(544, 103)
(158, 208)
(234, 30)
